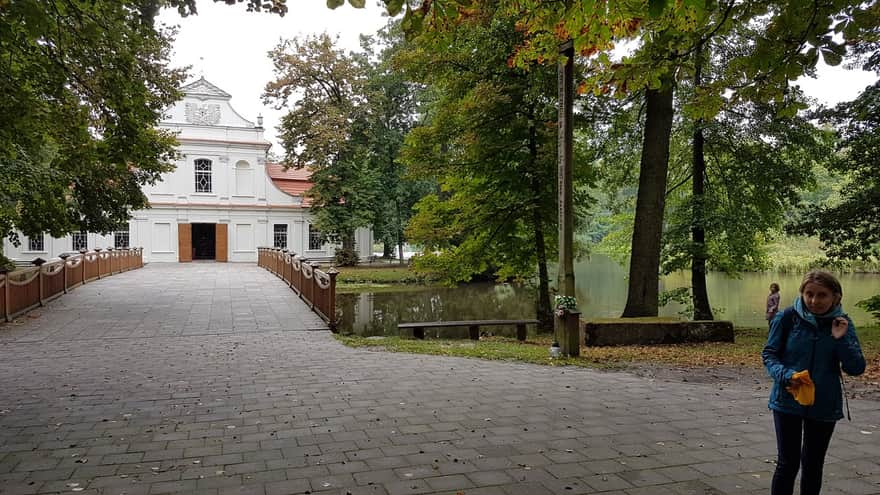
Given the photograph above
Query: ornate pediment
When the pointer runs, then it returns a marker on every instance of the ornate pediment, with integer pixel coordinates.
(203, 114)
(203, 90)
(206, 105)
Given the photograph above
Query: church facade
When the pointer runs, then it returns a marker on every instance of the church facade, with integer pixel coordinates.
(222, 202)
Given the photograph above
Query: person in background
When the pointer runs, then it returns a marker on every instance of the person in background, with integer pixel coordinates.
(772, 302)
(808, 345)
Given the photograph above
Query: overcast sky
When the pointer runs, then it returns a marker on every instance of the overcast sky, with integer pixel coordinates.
(229, 47)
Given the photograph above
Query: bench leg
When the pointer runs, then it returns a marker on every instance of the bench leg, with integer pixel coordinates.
(521, 333)
(474, 331)
(419, 333)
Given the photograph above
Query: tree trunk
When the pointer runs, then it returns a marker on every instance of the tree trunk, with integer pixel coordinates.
(398, 228)
(348, 242)
(702, 309)
(544, 310)
(387, 250)
(644, 266)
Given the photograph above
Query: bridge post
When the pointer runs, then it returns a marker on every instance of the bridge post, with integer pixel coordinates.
(39, 264)
(5, 272)
(64, 270)
(331, 305)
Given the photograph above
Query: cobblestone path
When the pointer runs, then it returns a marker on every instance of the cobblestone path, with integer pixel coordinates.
(204, 378)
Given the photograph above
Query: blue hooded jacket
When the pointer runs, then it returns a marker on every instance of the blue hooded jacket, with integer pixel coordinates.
(808, 345)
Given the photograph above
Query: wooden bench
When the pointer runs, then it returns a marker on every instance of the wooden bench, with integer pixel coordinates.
(419, 327)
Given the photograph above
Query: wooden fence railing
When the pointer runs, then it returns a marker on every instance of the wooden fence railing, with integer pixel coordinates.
(28, 288)
(316, 287)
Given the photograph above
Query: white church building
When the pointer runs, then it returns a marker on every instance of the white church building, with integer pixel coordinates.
(223, 201)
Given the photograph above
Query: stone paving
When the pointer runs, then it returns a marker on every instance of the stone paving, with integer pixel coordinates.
(203, 378)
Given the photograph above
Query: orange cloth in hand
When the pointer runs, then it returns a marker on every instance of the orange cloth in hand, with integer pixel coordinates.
(803, 389)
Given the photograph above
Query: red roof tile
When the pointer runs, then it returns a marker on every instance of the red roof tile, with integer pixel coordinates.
(292, 181)
(276, 171)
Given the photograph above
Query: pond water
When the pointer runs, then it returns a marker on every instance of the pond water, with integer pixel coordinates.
(601, 292)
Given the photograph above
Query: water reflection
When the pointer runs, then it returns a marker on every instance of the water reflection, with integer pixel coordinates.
(601, 292)
(370, 314)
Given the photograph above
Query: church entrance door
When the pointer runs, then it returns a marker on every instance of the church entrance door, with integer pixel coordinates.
(203, 241)
(222, 244)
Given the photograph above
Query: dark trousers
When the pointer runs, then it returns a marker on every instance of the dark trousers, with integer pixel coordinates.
(808, 454)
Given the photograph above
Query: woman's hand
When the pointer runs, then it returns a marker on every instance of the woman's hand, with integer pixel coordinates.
(838, 327)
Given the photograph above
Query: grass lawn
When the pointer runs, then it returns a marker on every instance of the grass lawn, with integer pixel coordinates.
(369, 276)
(745, 351)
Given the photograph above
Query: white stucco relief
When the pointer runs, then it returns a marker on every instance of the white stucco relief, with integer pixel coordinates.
(202, 114)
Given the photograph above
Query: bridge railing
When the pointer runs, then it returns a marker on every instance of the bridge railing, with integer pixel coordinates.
(28, 288)
(313, 285)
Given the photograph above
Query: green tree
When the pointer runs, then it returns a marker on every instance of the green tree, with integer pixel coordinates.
(756, 165)
(847, 223)
(392, 111)
(489, 139)
(796, 35)
(82, 87)
(326, 129)
(759, 154)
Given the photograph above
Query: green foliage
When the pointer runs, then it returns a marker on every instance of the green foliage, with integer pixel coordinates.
(745, 351)
(847, 222)
(187, 7)
(83, 85)
(617, 243)
(757, 163)
(325, 130)
(565, 302)
(321, 86)
(345, 257)
(871, 305)
(798, 254)
(684, 297)
(391, 112)
(789, 41)
(496, 349)
(680, 295)
(489, 140)
(348, 115)
(364, 274)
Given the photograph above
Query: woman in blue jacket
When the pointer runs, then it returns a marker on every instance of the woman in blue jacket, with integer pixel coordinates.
(816, 336)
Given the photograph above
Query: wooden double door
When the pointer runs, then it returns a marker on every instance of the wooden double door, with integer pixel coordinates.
(202, 241)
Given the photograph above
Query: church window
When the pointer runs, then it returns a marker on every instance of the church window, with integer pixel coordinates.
(280, 237)
(314, 238)
(79, 240)
(120, 239)
(35, 243)
(203, 175)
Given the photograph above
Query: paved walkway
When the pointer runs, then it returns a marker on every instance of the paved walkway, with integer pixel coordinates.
(202, 378)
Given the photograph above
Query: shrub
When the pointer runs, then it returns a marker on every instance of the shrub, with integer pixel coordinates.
(871, 305)
(345, 257)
